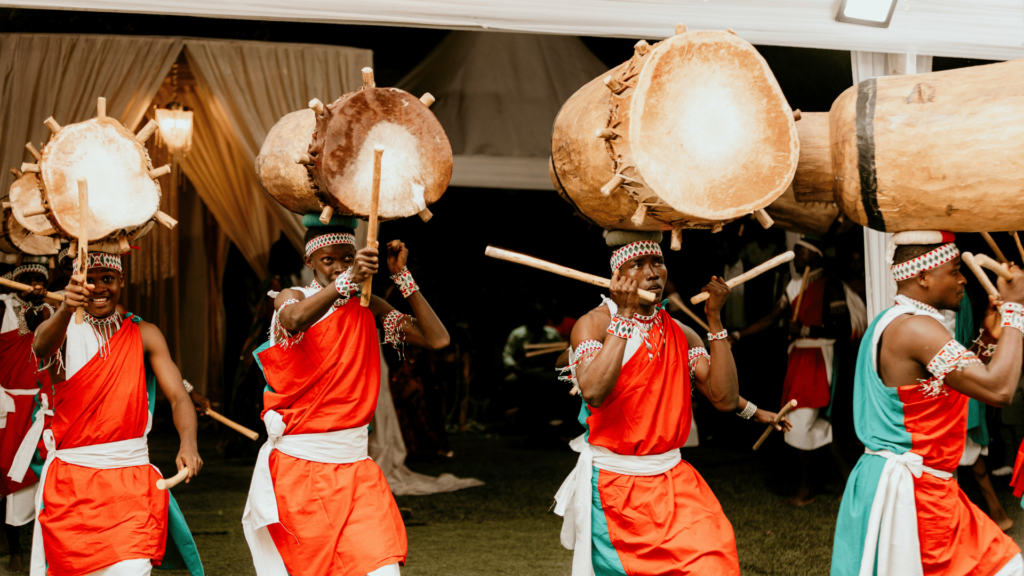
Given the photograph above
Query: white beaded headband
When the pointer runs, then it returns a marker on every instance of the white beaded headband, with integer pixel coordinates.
(329, 240)
(100, 260)
(634, 250)
(28, 268)
(934, 259)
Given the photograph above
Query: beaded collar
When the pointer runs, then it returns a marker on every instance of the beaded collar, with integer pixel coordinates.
(908, 301)
(316, 286)
(104, 328)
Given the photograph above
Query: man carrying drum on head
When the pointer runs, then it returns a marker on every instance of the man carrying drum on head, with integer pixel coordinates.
(903, 511)
(104, 373)
(317, 504)
(632, 506)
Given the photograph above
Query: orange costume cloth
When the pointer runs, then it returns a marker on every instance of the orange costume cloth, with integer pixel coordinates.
(338, 519)
(93, 518)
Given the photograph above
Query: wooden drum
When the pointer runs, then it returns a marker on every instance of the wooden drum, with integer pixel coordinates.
(943, 150)
(21, 240)
(26, 197)
(692, 132)
(280, 167)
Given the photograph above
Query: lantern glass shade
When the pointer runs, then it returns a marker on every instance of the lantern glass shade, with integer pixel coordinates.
(876, 13)
(175, 129)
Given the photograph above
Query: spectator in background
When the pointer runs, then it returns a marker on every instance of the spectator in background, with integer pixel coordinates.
(547, 401)
(560, 322)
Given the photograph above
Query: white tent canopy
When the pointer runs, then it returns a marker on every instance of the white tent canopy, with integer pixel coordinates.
(992, 29)
(497, 97)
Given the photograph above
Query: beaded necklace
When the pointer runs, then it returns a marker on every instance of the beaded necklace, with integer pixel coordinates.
(104, 328)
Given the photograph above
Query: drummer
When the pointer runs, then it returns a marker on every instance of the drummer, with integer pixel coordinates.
(634, 366)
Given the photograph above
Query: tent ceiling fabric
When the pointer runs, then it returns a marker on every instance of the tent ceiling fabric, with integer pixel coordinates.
(991, 29)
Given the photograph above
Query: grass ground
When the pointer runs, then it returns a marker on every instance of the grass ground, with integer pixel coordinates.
(505, 528)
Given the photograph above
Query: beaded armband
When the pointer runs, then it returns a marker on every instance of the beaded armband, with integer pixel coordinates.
(694, 356)
(953, 356)
(277, 332)
(583, 354)
(405, 283)
(985, 350)
(394, 334)
(1013, 315)
(718, 335)
(622, 327)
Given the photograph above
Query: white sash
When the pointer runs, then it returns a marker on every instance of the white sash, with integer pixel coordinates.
(892, 524)
(573, 501)
(109, 456)
(23, 457)
(339, 447)
(7, 401)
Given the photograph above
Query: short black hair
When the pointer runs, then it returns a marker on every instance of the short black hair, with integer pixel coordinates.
(318, 231)
(908, 252)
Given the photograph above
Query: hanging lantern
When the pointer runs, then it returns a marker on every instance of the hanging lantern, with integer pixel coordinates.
(175, 127)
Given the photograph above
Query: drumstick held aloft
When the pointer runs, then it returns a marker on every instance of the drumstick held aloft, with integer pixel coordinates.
(752, 273)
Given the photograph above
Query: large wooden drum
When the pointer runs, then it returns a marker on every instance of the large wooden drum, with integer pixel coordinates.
(689, 133)
(814, 181)
(943, 150)
(17, 237)
(26, 198)
(333, 146)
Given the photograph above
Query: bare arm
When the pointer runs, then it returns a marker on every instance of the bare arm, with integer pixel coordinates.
(301, 316)
(169, 379)
(424, 329)
(720, 384)
(597, 379)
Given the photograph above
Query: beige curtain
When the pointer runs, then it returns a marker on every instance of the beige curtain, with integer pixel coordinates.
(251, 85)
(44, 75)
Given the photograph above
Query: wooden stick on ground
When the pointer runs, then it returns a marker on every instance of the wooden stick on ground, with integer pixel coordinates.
(168, 483)
(83, 240)
(232, 424)
(800, 296)
(778, 418)
(752, 273)
(995, 247)
(676, 299)
(371, 230)
(968, 258)
(24, 287)
(1020, 247)
(509, 256)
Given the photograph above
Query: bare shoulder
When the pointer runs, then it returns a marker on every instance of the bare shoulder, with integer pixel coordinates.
(692, 338)
(152, 337)
(591, 326)
(919, 336)
(286, 295)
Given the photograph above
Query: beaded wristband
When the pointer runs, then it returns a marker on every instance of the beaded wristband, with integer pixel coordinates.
(622, 327)
(345, 286)
(718, 335)
(1013, 315)
(405, 283)
(748, 411)
(394, 333)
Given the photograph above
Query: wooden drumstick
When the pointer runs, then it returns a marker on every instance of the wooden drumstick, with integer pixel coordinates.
(750, 274)
(533, 353)
(83, 240)
(676, 299)
(778, 418)
(1001, 270)
(168, 483)
(371, 230)
(509, 256)
(544, 345)
(800, 296)
(968, 258)
(1020, 247)
(24, 287)
(232, 424)
(995, 247)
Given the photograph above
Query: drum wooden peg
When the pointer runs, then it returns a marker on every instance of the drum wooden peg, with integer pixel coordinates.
(677, 237)
(101, 107)
(716, 228)
(165, 219)
(326, 215)
(606, 134)
(52, 125)
(640, 215)
(642, 47)
(731, 31)
(426, 214)
(763, 217)
(147, 131)
(17, 173)
(32, 150)
(797, 115)
(427, 99)
(26, 167)
(5, 205)
(316, 106)
(612, 184)
(614, 85)
(303, 159)
(680, 29)
(161, 171)
(37, 212)
(368, 78)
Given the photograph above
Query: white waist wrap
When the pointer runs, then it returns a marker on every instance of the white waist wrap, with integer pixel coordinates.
(7, 401)
(110, 456)
(892, 525)
(339, 447)
(573, 501)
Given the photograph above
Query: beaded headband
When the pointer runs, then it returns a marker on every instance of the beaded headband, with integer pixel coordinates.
(28, 268)
(634, 250)
(100, 260)
(934, 259)
(329, 240)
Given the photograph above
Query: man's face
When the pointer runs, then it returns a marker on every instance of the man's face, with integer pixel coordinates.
(106, 291)
(802, 258)
(33, 279)
(648, 271)
(330, 261)
(945, 285)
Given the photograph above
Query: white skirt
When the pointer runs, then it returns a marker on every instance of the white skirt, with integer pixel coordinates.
(972, 450)
(809, 431)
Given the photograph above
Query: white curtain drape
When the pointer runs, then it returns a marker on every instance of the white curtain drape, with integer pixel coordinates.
(62, 75)
(880, 288)
(251, 85)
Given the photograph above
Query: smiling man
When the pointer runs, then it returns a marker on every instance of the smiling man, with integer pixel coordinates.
(317, 504)
(903, 511)
(632, 506)
(99, 510)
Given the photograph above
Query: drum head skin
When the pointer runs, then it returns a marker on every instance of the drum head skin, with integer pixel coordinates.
(417, 162)
(711, 132)
(27, 242)
(122, 196)
(26, 196)
(282, 177)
